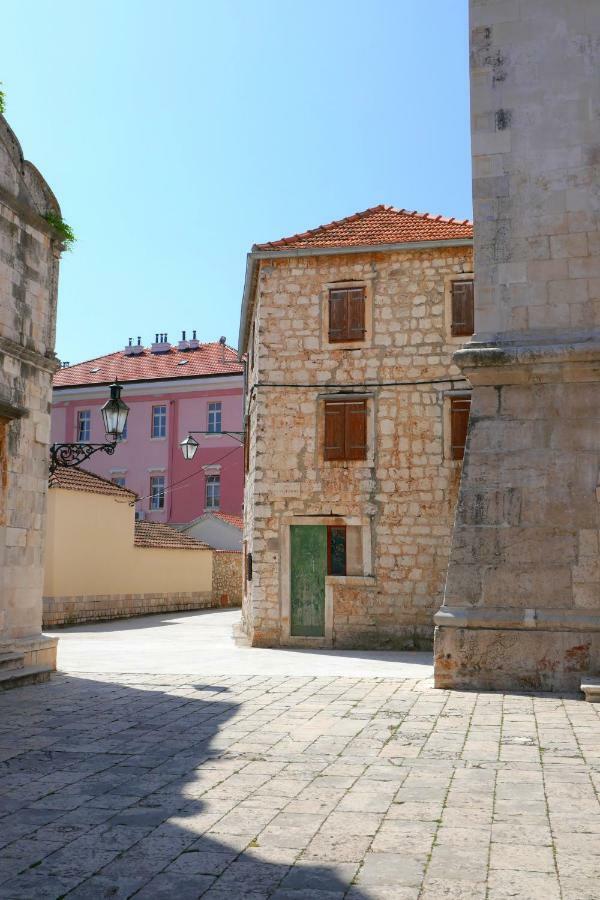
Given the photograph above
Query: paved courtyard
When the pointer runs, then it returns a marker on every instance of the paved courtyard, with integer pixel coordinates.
(258, 779)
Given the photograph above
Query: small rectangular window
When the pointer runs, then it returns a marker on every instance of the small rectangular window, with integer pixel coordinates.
(248, 567)
(159, 421)
(214, 418)
(463, 312)
(460, 408)
(345, 429)
(336, 549)
(346, 314)
(213, 492)
(84, 425)
(157, 492)
(118, 480)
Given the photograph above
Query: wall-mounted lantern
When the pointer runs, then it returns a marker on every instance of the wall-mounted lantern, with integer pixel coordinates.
(114, 415)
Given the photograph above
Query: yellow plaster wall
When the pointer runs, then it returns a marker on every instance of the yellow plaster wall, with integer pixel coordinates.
(90, 551)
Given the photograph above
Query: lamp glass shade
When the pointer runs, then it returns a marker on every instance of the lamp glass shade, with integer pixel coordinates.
(114, 413)
(188, 447)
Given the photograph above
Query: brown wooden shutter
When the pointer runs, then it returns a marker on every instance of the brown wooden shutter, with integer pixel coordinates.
(338, 315)
(356, 429)
(462, 308)
(334, 430)
(460, 408)
(356, 314)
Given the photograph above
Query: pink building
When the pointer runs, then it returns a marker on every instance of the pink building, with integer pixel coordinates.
(170, 391)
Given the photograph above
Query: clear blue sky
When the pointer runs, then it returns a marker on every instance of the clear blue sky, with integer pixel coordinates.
(177, 134)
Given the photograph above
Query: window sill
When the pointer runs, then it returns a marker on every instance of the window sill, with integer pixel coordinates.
(158, 438)
(352, 580)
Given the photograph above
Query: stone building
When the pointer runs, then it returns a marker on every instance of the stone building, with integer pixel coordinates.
(355, 420)
(29, 260)
(522, 602)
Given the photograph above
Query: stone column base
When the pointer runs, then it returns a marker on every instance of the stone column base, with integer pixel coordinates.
(505, 659)
(36, 650)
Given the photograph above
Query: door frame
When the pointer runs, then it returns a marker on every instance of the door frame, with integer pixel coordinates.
(285, 577)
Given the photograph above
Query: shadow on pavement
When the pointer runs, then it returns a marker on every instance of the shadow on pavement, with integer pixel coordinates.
(103, 795)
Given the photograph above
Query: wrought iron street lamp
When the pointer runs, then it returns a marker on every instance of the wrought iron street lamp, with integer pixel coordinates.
(114, 414)
(189, 445)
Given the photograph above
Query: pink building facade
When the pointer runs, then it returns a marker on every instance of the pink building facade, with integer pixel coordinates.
(171, 391)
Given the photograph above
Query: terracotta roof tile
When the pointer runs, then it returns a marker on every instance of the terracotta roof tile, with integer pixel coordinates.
(377, 225)
(236, 521)
(155, 534)
(76, 479)
(208, 359)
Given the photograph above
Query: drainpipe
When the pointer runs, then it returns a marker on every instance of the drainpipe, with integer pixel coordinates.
(173, 433)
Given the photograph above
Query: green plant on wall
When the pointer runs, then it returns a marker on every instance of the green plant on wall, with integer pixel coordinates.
(66, 232)
(1, 99)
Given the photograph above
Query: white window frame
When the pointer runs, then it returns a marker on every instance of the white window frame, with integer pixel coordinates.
(157, 493)
(158, 424)
(119, 480)
(212, 481)
(215, 417)
(84, 418)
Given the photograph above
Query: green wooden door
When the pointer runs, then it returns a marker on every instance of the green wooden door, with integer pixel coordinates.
(308, 563)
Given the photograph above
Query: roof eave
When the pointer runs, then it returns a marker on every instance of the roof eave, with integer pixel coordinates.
(256, 255)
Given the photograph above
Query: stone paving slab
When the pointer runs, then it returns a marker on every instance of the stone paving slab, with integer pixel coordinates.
(295, 787)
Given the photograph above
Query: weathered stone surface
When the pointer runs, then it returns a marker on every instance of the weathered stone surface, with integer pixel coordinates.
(522, 599)
(401, 499)
(29, 255)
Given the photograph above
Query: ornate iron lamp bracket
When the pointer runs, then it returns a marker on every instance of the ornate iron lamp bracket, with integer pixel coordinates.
(75, 454)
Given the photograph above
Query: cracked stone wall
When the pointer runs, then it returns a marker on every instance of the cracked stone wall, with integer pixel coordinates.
(29, 255)
(401, 500)
(522, 602)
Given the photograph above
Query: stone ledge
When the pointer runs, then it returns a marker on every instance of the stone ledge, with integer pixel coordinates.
(516, 619)
(509, 363)
(590, 687)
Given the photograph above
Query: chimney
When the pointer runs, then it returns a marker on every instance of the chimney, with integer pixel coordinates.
(134, 349)
(183, 343)
(161, 344)
(193, 344)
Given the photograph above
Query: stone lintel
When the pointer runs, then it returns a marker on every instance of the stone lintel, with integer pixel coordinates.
(527, 363)
(517, 619)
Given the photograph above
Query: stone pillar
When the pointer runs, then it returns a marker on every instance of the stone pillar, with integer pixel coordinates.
(522, 600)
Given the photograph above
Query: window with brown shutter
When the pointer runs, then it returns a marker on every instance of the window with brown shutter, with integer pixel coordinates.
(345, 429)
(459, 424)
(462, 308)
(346, 314)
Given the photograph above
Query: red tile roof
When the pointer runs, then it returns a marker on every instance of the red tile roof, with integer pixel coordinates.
(155, 534)
(377, 225)
(76, 479)
(236, 521)
(208, 359)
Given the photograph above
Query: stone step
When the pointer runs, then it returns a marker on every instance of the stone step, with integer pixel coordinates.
(590, 685)
(11, 661)
(12, 678)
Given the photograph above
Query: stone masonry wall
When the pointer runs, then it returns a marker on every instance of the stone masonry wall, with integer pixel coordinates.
(29, 252)
(522, 604)
(60, 611)
(405, 491)
(227, 577)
